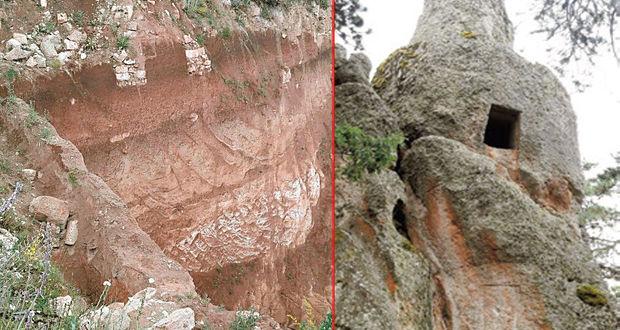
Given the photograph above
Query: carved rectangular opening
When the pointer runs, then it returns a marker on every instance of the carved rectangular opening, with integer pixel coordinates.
(502, 129)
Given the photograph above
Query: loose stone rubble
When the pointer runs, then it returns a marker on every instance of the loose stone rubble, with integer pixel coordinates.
(144, 310)
(198, 61)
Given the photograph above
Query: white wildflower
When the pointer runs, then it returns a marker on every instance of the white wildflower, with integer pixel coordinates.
(107, 283)
(151, 280)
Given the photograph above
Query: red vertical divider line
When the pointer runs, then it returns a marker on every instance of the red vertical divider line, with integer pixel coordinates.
(333, 173)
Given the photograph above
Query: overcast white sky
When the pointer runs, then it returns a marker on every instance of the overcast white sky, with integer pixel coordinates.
(598, 108)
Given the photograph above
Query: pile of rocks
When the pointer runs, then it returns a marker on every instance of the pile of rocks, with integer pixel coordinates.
(144, 310)
(128, 71)
(56, 213)
(46, 49)
(197, 59)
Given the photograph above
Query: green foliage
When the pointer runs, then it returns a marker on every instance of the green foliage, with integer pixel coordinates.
(91, 44)
(55, 63)
(46, 28)
(72, 177)
(122, 42)
(598, 218)
(33, 117)
(200, 39)
(364, 153)
(226, 33)
(45, 134)
(265, 12)
(10, 75)
(591, 295)
(326, 324)
(78, 17)
(245, 320)
(32, 280)
(5, 167)
(195, 8)
(239, 3)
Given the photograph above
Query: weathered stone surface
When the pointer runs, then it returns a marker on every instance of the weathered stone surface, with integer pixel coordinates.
(17, 54)
(71, 45)
(11, 44)
(22, 38)
(382, 282)
(77, 36)
(498, 251)
(47, 208)
(181, 319)
(197, 60)
(496, 226)
(445, 81)
(29, 173)
(61, 18)
(355, 69)
(358, 105)
(71, 235)
(49, 45)
(40, 60)
(144, 310)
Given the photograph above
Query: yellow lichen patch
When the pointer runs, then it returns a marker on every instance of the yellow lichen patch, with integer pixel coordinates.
(591, 295)
(378, 82)
(402, 57)
(468, 34)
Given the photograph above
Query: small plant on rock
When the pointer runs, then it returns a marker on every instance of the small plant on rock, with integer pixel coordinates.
(245, 320)
(122, 42)
(364, 153)
(78, 17)
(226, 33)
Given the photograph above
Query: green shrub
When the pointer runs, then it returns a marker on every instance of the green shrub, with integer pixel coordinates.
(200, 39)
(245, 320)
(195, 8)
(55, 63)
(226, 33)
(364, 153)
(78, 17)
(122, 42)
(239, 3)
(46, 28)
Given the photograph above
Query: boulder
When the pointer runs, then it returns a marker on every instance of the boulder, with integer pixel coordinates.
(71, 235)
(144, 310)
(11, 44)
(358, 105)
(17, 54)
(22, 38)
(49, 45)
(180, 319)
(47, 208)
(77, 36)
(355, 69)
(28, 173)
(71, 45)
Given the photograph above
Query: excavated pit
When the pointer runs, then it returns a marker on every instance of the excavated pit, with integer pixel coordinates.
(228, 173)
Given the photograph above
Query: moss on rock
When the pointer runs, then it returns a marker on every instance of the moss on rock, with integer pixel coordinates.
(592, 295)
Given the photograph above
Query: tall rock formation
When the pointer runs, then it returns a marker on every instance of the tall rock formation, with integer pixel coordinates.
(490, 188)
(195, 145)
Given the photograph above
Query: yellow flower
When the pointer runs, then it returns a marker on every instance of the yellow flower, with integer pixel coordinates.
(31, 250)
